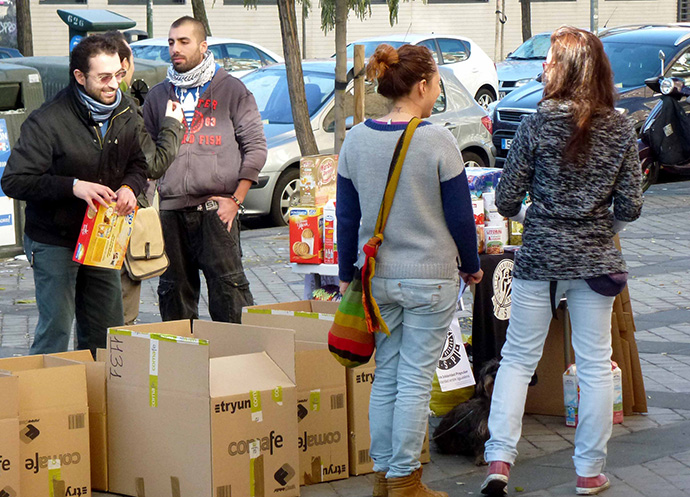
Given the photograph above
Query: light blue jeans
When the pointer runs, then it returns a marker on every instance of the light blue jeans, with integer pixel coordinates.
(418, 313)
(530, 315)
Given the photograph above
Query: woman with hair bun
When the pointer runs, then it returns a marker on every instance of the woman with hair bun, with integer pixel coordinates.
(577, 158)
(430, 242)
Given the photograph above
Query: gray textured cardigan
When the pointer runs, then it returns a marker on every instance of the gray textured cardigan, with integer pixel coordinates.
(569, 226)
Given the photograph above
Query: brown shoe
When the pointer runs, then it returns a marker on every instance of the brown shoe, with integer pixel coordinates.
(411, 486)
(380, 484)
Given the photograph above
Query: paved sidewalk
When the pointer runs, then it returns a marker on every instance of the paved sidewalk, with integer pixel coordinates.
(649, 454)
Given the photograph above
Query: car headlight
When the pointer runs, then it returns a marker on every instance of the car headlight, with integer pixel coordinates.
(521, 82)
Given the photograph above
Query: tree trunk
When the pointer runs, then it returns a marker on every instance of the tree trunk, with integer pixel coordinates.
(25, 42)
(199, 13)
(149, 18)
(340, 71)
(526, 13)
(295, 78)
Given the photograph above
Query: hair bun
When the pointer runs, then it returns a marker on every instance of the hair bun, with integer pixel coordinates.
(384, 57)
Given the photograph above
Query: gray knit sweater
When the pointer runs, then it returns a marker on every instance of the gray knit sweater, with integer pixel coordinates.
(569, 226)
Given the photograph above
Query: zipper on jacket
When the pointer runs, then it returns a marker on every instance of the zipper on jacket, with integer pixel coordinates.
(101, 138)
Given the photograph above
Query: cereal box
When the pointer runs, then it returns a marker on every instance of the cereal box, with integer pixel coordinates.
(318, 176)
(330, 236)
(306, 235)
(104, 237)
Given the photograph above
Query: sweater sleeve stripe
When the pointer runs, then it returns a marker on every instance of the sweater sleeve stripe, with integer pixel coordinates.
(457, 209)
(348, 213)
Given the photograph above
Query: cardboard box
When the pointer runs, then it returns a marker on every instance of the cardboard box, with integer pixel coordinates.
(104, 237)
(359, 381)
(330, 234)
(53, 425)
(321, 389)
(318, 177)
(9, 435)
(98, 423)
(203, 409)
(306, 235)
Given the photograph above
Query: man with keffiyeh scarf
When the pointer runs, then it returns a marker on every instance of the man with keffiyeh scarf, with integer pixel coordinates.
(203, 190)
(81, 148)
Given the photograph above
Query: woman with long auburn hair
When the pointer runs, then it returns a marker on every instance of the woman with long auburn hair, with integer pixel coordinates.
(577, 158)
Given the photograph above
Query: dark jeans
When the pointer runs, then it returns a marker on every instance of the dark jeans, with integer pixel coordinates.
(198, 240)
(65, 288)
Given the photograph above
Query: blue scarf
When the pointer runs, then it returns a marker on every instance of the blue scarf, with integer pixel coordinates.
(99, 111)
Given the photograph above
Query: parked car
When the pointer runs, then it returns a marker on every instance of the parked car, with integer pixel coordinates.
(466, 59)
(7, 53)
(634, 55)
(278, 186)
(524, 64)
(236, 56)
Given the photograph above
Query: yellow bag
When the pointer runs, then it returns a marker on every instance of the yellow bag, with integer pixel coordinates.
(145, 256)
(442, 402)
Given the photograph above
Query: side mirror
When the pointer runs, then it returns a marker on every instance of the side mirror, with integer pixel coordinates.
(653, 84)
(662, 57)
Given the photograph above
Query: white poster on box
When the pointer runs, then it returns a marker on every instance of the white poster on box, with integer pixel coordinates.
(7, 235)
(454, 370)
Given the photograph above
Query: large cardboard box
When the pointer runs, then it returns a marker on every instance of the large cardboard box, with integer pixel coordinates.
(9, 435)
(53, 425)
(98, 424)
(321, 390)
(201, 408)
(359, 381)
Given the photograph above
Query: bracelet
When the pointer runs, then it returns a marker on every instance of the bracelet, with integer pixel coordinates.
(128, 187)
(239, 204)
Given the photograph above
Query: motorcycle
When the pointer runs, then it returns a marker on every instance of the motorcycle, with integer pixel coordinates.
(664, 140)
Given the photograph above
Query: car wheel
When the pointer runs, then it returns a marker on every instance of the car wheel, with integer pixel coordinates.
(473, 160)
(285, 195)
(484, 97)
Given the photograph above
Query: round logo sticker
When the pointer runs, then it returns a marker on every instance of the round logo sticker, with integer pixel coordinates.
(451, 352)
(502, 282)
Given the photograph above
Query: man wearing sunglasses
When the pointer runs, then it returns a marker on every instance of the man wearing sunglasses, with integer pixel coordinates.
(79, 150)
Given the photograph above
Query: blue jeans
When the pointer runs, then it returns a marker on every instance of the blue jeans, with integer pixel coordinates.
(530, 315)
(418, 313)
(65, 288)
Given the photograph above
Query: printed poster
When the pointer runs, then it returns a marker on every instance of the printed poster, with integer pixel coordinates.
(454, 370)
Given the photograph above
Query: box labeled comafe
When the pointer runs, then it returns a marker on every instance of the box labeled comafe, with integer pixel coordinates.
(53, 425)
(359, 381)
(9, 435)
(321, 390)
(318, 178)
(202, 408)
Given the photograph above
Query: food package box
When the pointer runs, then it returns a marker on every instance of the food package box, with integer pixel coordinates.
(95, 390)
(482, 179)
(9, 435)
(496, 238)
(571, 395)
(306, 235)
(478, 211)
(53, 425)
(330, 234)
(318, 177)
(321, 390)
(359, 381)
(104, 237)
(202, 408)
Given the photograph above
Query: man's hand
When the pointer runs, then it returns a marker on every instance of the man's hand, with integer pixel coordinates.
(227, 210)
(343, 286)
(473, 278)
(93, 193)
(174, 109)
(126, 201)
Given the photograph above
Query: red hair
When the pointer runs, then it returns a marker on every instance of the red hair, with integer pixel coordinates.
(397, 71)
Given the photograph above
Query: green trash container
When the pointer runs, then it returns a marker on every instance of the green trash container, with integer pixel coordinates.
(20, 94)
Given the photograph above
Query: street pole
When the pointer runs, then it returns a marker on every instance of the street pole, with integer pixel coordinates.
(149, 18)
(594, 16)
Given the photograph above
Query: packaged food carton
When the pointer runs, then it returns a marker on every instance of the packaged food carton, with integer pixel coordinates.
(9, 435)
(104, 237)
(202, 408)
(306, 234)
(321, 390)
(478, 211)
(496, 238)
(330, 234)
(53, 425)
(359, 381)
(571, 395)
(318, 178)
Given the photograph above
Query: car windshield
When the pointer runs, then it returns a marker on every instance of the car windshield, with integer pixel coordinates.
(370, 47)
(632, 63)
(151, 52)
(535, 48)
(270, 91)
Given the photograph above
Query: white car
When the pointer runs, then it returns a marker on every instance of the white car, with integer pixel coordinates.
(238, 57)
(475, 70)
(278, 185)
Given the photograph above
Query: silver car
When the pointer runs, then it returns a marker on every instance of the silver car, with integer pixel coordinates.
(278, 186)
